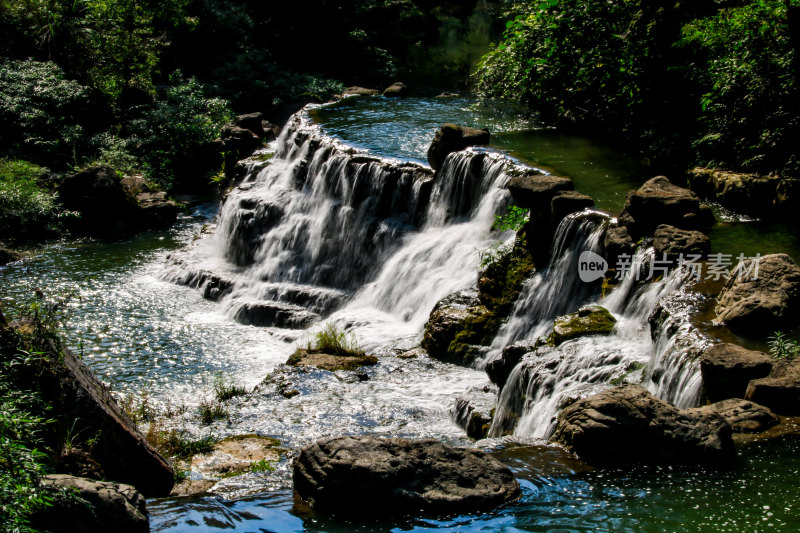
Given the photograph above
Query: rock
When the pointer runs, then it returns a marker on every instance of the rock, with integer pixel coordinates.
(567, 202)
(156, 211)
(238, 142)
(617, 241)
(412, 354)
(766, 303)
(79, 463)
(537, 190)
(453, 315)
(448, 95)
(474, 410)
(395, 90)
(102, 506)
(123, 454)
(780, 391)
(360, 476)
(744, 193)
(328, 361)
(8, 256)
(627, 425)
(274, 314)
(787, 197)
(743, 416)
(674, 242)
(728, 368)
(659, 202)
(360, 91)
(500, 368)
(589, 320)
(271, 131)
(251, 121)
(453, 138)
(534, 462)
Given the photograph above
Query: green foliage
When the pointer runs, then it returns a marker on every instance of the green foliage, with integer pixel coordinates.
(780, 347)
(331, 340)
(211, 410)
(177, 444)
(40, 109)
(225, 388)
(26, 207)
(513, 220)
(181, 121)
(262, 466)
(749, 110)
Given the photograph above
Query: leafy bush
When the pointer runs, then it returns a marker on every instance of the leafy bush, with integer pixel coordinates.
(26, 208)
(169, 134)
(781, 347)
(41, 111)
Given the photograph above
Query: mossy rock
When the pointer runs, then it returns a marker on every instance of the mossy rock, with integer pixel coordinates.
(330, 362)
(590, 320)
(500, 282)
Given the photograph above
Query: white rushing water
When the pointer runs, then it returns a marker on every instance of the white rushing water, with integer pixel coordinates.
(324, 233)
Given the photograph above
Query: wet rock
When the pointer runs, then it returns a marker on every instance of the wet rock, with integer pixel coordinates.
(456, 325)
(328, 361)
(453, 138)
(474, 410)
(780, 391)
(448, 95)
(411, 354)
(674, 242)
(360, 476)
(395, 90)
(728, 368)
(744, 193)
(533, 462)
(500, 368)
(8, 256)
(156, 210)
(101, 506)
(567, 202)
(360, 91)
(274, 314)
(590, 320)
(766, 303)
(743, 416)
(537, 190)
(659, 202)
(617, 241)
(627, 425)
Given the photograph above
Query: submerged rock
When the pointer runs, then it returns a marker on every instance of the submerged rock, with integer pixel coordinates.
(500, 368)
(358, 476)
(590, 320)
(659, 202)
(329, 361)
(453, 138)
(627, 424)
(780, 391)
(743, 416)
(764, 302)
(727, 369)
(274, 314)
(100, 506)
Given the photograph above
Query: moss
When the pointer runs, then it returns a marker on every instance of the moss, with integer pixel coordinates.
(501, 281)
(591, 320)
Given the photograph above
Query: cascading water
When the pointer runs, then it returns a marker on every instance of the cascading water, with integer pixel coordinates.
(664, 361)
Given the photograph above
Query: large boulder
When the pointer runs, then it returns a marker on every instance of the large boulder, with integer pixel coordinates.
(659, 202)
(627, 424)
(455, 314)
(360, 91)
(761, 301)
(111, 206)
(587, 321)
(673, 242)
(780, 391)
(453, 138)
(98, 506)
(745, 193)
(727, 369)
(499, 368)
(536, 191)
(8, 256)
(238, 142)
(360, 476)
(743, 416)
(251, 121)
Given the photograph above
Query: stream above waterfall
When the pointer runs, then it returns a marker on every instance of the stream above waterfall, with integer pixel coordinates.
(146, 334)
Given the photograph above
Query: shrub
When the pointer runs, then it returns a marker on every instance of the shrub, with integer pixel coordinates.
(782, 348)
(27, 209)
(335, 342)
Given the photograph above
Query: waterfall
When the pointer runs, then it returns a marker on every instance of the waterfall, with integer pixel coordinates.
(653, 343)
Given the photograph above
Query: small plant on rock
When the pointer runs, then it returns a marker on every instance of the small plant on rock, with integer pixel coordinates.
(781, 347)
